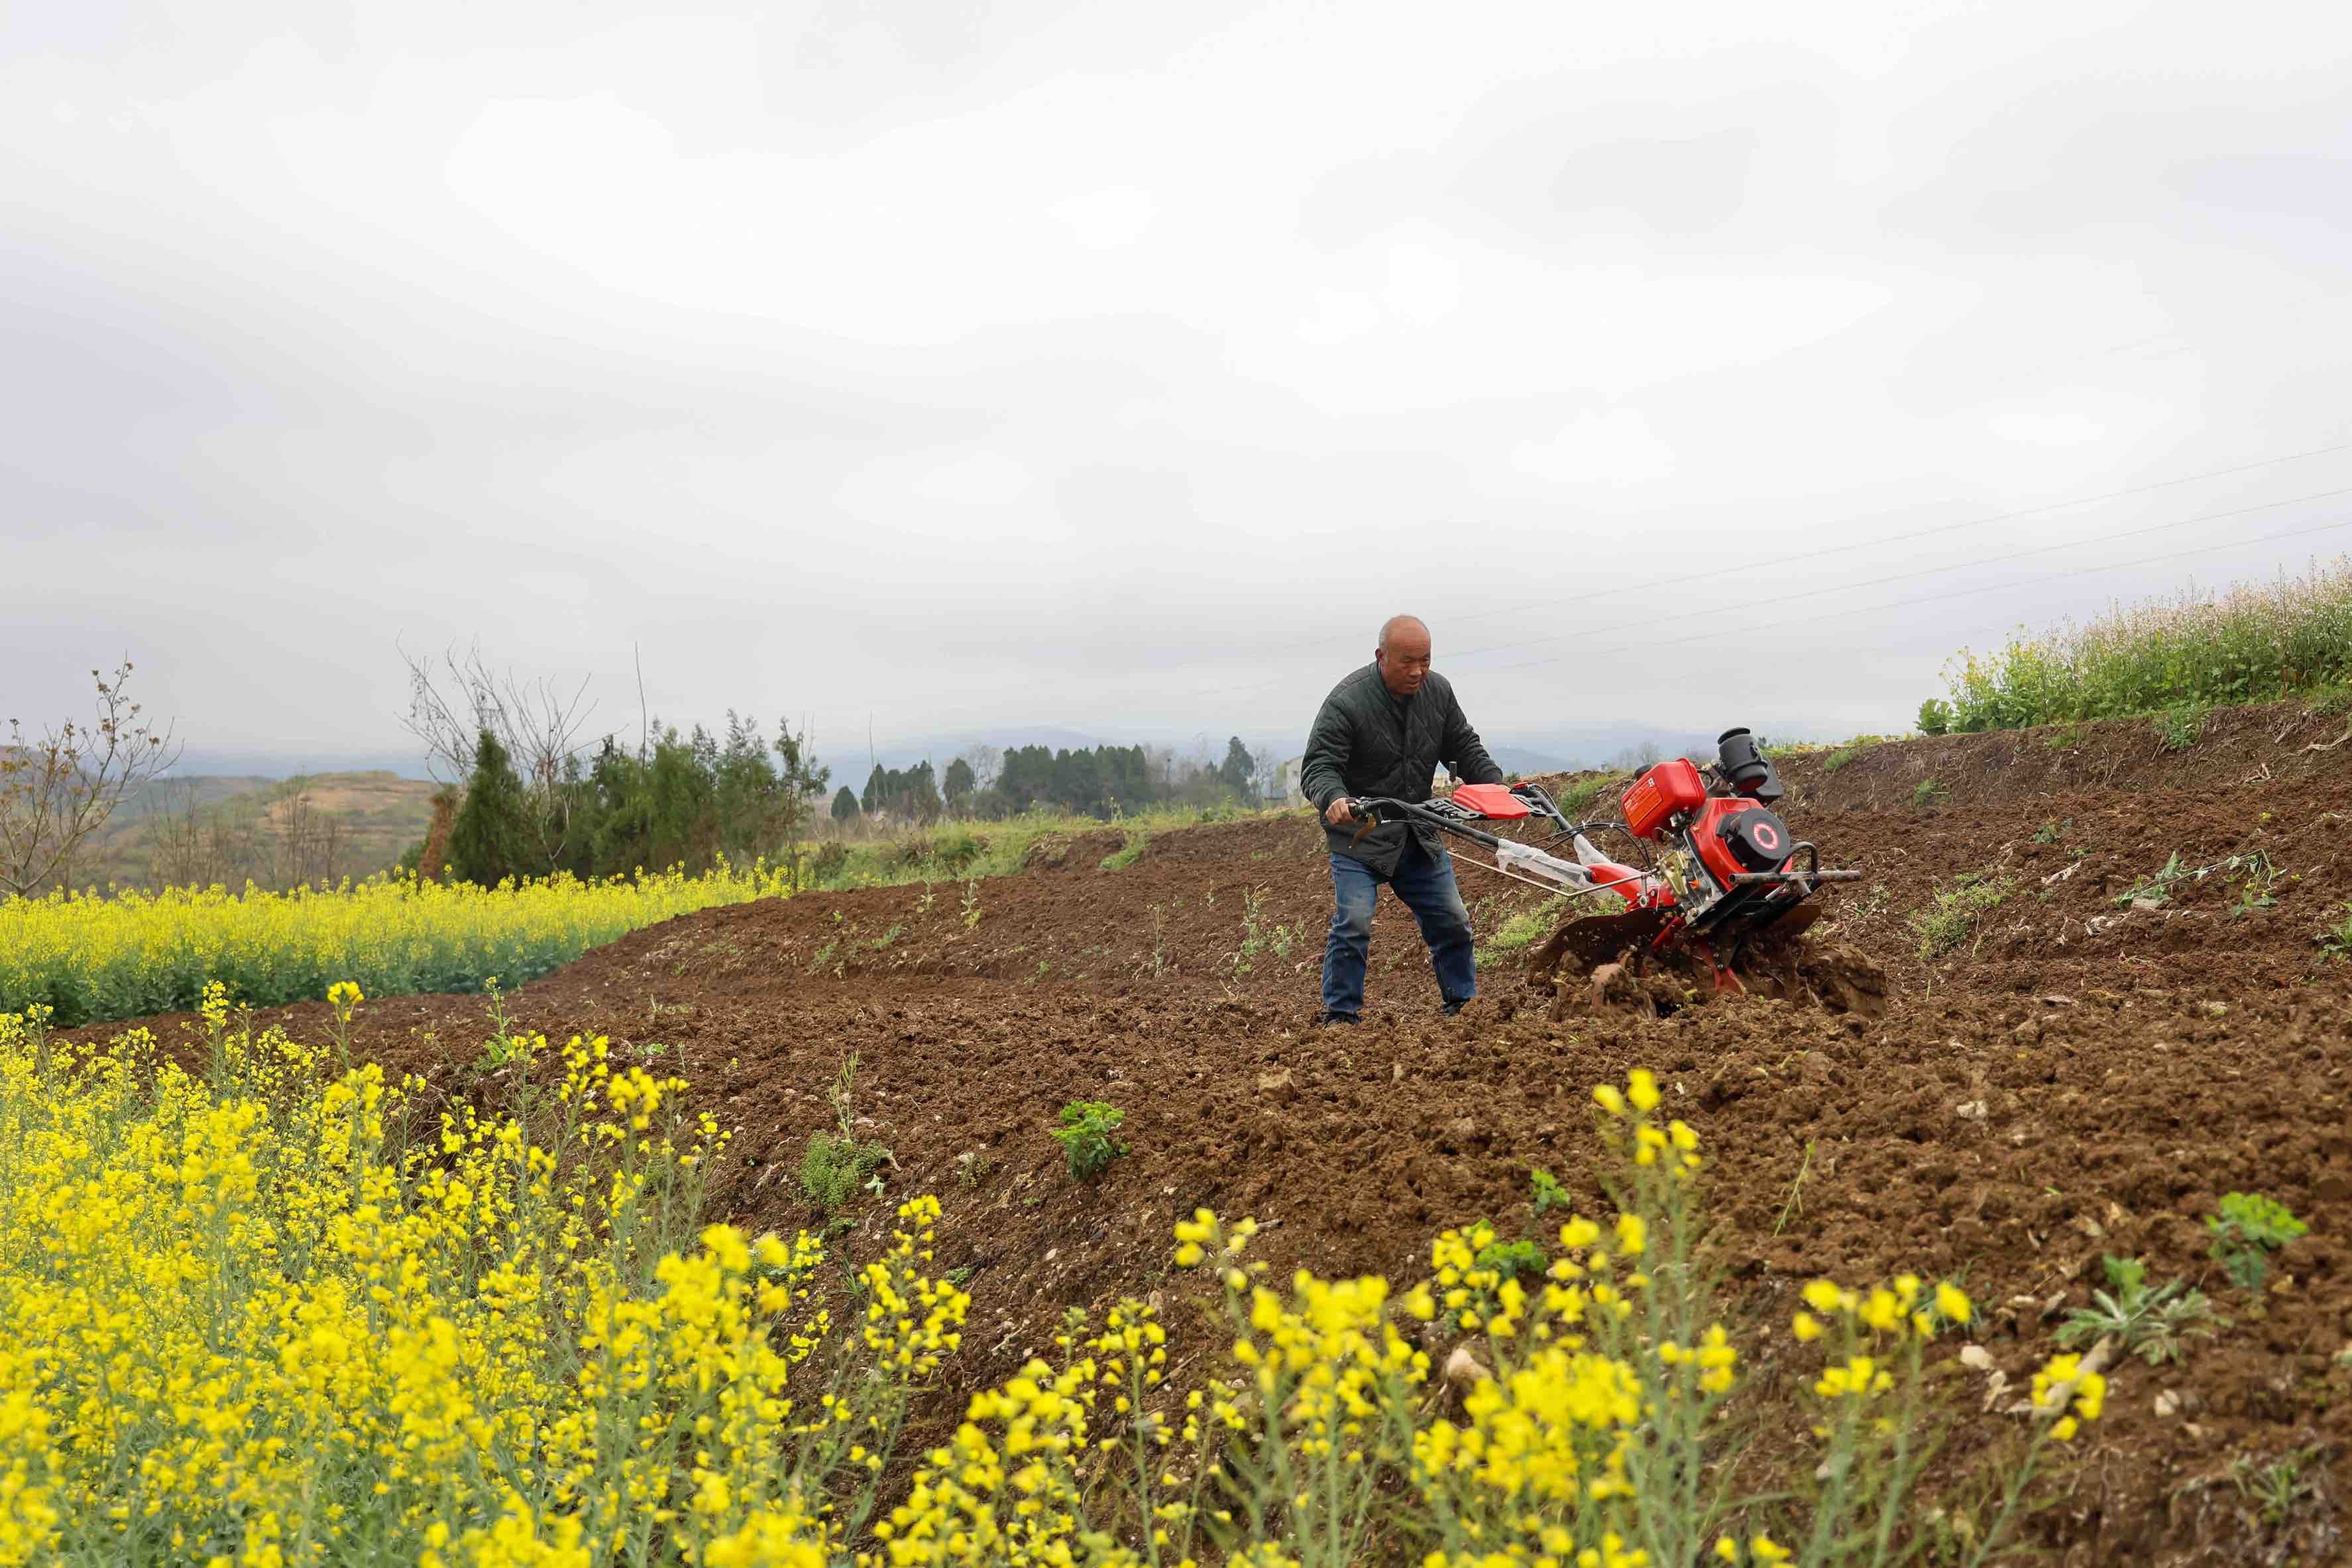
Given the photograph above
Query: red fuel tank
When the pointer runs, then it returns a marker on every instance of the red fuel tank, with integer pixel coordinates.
(1661, 791)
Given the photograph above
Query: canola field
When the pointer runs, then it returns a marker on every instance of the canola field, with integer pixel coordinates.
(93, 959)
(266, 1312)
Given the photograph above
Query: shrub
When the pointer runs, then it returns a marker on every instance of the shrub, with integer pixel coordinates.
(2256, 643)
(1934, 717)
(491, 840)
(1085, 1135)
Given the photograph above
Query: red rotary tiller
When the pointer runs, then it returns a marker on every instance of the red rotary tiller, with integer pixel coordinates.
(1720, 866)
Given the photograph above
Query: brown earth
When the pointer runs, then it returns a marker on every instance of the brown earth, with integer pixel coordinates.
(2081, 1076)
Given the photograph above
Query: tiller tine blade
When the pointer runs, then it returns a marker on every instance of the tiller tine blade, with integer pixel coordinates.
(1597, 938)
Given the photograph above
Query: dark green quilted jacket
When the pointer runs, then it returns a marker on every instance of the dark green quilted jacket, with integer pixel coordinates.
(1368, 742)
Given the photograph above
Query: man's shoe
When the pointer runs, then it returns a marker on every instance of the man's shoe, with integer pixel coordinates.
(1326, 1018)
(1457, 1005)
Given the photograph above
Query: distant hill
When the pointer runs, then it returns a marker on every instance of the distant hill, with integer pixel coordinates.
(277, 832)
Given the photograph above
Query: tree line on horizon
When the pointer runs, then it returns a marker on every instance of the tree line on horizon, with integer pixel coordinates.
(986, 784)
(688, 799)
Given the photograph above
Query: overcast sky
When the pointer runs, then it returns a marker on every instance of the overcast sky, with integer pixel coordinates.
(1121, 366)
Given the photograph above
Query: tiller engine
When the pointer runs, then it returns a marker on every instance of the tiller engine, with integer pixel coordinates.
(1723, 890)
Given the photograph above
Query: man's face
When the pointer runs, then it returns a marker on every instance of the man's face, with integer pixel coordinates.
(1404, 660)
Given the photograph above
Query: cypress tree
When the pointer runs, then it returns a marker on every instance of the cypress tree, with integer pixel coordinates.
(845, 805)
(490, 839)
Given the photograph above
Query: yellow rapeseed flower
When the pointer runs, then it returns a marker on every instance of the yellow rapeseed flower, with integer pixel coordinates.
(1953, 1303)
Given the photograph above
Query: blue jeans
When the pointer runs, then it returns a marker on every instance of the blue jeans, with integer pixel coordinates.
(1425, 883)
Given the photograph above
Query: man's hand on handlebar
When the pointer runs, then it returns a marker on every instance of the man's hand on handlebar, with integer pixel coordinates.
(1340, 812)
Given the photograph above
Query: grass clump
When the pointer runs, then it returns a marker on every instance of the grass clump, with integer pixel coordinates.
(2150, 1323)
(1952, 916)
(1084, 1132)
(2336, 939)
(1527, 926)
(2178, 726)
(837, 1165)
(1847, 754)
(1579, 795)
(1928, 794)
(2255, 643)
(1128, 852)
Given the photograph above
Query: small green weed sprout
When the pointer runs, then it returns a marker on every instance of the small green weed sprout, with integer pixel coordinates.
(971, 904)
(2254, 866)
(1952, 915)
(2179, 727)
(1513, 1260)
(1929, 793)
(2148, 1324)
(1085, 1135)
(2053, 830)
(1158, 964)
(2249, 1227)
(1548, 1194)
(505, 1047)
(2335, 941)
(2275, 1488)
(1257, 937)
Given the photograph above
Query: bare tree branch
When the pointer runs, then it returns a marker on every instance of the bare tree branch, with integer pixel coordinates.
(58, 790)
(449, 707)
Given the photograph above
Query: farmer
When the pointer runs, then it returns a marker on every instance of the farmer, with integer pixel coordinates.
(1382, 731)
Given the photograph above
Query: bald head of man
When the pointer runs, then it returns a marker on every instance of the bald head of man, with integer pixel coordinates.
(1402, 656)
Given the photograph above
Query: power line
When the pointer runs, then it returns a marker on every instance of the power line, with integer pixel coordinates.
(1653, 619)
(1827, 550)
(1935, 571)
(1935, 598)
(1943, 527)
(1824, 551)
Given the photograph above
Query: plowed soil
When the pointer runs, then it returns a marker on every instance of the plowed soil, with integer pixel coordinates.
(2083, 1074)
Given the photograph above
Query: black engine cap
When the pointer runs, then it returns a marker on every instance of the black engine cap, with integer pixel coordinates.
(1759, 840)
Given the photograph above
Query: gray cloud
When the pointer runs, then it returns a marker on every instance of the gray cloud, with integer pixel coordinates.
(1012, 365)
